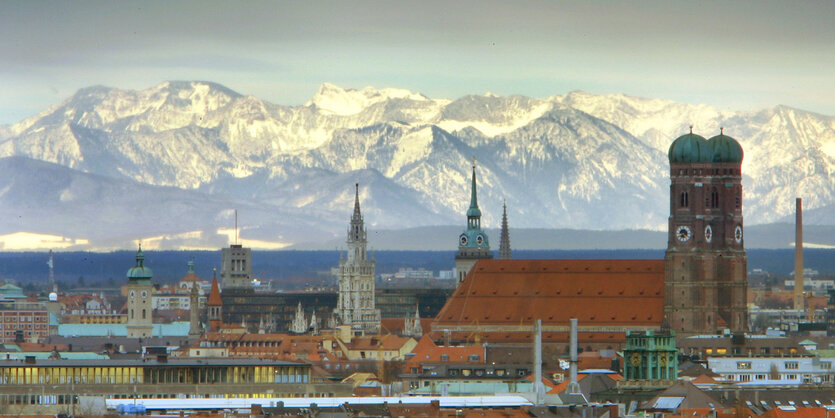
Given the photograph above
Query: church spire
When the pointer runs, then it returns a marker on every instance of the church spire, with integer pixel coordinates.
(357, 214)
(356, 230)
(474, 195)
(504, 240)
(474, 213)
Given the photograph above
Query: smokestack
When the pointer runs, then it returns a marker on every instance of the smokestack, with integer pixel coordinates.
(573, 386)
(798, 255)
(539, 389)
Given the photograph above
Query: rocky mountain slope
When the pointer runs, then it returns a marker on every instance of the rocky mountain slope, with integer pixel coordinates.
(577, 161)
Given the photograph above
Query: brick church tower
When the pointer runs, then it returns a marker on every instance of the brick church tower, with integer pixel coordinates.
(705, 264)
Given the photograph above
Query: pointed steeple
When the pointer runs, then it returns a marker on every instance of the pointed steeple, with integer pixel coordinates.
(474, 213)
(357, 215)
(504, 240)
(214, 294)
(356, 230)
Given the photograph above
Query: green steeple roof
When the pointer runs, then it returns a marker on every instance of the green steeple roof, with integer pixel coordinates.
(725, 148)
(140, 272)
(473, 236)
(692, 148)
(474, 211)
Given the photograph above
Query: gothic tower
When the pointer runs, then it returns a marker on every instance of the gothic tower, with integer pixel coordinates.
(504, 239)
(215, 306)
(139, 290)
(706, 278)
(472, 243)
(355, 306)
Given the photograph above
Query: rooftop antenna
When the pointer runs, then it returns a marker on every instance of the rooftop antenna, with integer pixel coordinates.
(236, 227)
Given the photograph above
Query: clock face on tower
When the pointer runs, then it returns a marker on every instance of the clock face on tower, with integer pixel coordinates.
(708, 233)
(683, 233)
(738, 234)
(463, 239)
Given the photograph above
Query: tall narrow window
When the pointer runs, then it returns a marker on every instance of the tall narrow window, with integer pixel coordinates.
(684, 200)
(714, 198)
(143, 314)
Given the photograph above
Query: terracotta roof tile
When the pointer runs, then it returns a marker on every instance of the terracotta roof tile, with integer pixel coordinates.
(596, 292)
(214, 294)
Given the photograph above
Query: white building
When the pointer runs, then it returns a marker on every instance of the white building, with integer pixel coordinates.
(775, 370)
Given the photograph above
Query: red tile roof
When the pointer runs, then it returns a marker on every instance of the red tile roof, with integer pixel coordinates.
(426, 351)
(602, 293)
(214, 294)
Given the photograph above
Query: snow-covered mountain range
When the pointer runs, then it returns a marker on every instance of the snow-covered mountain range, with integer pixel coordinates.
(195, 151)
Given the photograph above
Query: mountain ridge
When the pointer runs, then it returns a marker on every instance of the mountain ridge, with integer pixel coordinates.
(559, 161)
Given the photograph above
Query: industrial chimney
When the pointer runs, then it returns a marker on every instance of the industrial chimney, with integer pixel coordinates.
(798, 256)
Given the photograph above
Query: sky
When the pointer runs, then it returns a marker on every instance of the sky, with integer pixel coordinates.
(731, 55)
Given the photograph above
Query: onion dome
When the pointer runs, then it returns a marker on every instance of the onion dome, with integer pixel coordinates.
(690, 148)
(725, 149)
(140, 272)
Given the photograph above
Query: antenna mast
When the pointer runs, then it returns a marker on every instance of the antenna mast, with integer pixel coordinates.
(236, 227)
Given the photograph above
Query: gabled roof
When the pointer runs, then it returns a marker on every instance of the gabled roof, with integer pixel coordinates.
(681, 394)
(383, 342)
(427, 351)
(597, 292)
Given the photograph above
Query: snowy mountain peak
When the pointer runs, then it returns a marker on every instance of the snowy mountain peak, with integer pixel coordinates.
(332, 99)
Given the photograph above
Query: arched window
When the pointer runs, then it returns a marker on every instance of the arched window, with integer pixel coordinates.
(684, 200)
(714, 198)
(131, 314)
(143, 314)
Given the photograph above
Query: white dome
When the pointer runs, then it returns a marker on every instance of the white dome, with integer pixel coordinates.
(53, 297)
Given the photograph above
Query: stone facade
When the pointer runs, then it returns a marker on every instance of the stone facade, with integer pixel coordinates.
(139, 293)
(236, 267)
(355, 304)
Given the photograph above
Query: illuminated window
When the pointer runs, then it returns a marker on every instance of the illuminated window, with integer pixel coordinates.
(743, 365)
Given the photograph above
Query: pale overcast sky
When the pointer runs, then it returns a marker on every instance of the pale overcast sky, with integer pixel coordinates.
(732, 55)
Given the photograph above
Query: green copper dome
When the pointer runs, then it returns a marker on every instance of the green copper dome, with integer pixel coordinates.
(140, 272)
(690, 148)
(725, 149)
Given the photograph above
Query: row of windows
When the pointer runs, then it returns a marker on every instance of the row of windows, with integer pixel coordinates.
(805, 378)
(711, 200)
(123, 375)
(708, 172)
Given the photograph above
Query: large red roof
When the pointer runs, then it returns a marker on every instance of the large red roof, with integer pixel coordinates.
(608, 294)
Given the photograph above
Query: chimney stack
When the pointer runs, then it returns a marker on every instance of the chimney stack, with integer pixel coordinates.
(573, 386)
(798, 256)
(538, 387)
